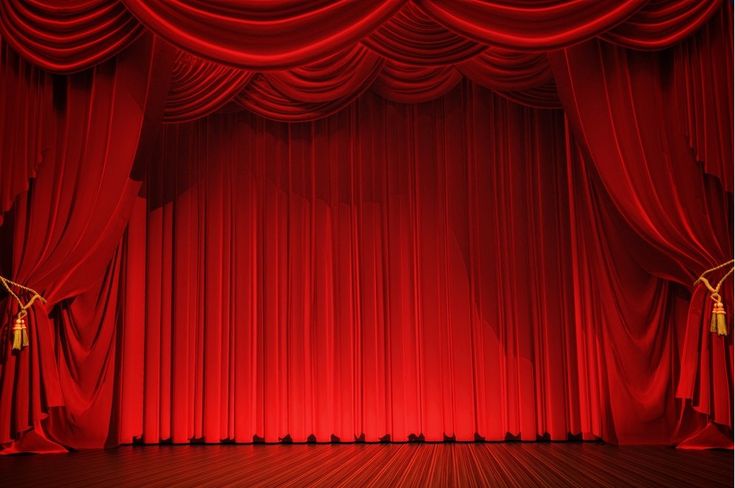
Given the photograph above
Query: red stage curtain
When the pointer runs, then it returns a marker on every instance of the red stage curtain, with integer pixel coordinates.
(544, 26)
(642, 155)
(199, 88)
(315, 90)
(703, 78)
(431, 271)
(630, 325)
(315, 46)
(411, 37)
(415, 84)
(64, 231)
(67, 35)
(390, 272)
(25, 99)
(663, 23)
(256, 35)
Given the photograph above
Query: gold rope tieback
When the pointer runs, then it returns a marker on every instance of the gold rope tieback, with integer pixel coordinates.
(717, 324)
(20, 330)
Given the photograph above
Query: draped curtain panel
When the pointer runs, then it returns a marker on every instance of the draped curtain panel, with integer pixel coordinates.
(385, 275)
(25, 100)
(643, 157)
(393, 220)
(382, 274)
(65, 230)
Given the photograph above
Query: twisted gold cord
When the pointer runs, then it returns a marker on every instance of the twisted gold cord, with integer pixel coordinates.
(705, 281)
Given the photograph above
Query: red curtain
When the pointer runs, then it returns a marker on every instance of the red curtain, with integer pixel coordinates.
(71, 35)
(458, 268)
(67, 35)
(633, 330)
(385, 274)
(272, 35)
(25, 99)
(423, 47)
(64, 231)
(380, 274)
(641, 152)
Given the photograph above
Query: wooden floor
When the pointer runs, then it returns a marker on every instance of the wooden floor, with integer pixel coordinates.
(503, 464)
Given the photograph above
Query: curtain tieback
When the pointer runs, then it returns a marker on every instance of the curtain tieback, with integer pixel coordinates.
(717, 324)
(20, 330)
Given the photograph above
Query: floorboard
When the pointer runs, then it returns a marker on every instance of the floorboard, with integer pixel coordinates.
(377, 465)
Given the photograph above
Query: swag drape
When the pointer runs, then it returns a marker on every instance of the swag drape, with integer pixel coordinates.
(419, 49)
(412, 257)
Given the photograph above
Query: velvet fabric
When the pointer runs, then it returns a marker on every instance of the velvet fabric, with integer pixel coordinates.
(357, 278)
(25, 99)
(415, 255)
(642, 155)
(419, 44)
(69, 35)
(65, 230)
(72, 35)
(462, 281)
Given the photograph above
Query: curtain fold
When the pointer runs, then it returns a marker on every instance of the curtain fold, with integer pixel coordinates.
(255, 35)
(703, 79)
(373, 275)
(411, 37)
(631, 325)
(25, 99)
(70, 35)
(410, 257)
(662, 23)
(199, 88)
(65, 231)
(628, 115)
(415, 84)
(541, 26)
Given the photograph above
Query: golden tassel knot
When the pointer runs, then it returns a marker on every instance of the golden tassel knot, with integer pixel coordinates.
(20, 328)
(718, 320)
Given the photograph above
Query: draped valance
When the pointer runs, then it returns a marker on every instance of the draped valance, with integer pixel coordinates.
(293, 61)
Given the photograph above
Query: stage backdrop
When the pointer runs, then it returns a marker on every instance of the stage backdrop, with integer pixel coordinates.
(426, 221)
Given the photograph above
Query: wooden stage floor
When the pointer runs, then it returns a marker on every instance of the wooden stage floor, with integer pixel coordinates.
(420, 465)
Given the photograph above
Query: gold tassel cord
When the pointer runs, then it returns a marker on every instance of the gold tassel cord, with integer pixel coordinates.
(20, 329)
(718, 320)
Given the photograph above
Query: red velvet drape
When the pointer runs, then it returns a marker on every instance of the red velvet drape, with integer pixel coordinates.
(641, 151)
(64, 231)
(380, 274)
(25, 99)
(383, 274)
(441, 269)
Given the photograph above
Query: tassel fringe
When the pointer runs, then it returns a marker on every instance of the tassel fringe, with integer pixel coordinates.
(20, 334)
(719, 318)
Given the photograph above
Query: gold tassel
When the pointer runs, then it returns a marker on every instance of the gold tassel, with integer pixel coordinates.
(718, 320)
(719, 311)
(20, 334)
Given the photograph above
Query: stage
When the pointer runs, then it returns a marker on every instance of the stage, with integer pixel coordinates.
(512, 464)
(367, 243)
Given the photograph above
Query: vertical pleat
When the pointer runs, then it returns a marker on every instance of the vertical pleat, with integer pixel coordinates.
(392, 272)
